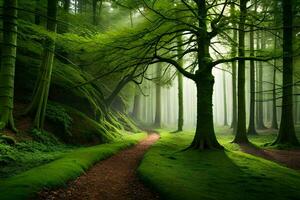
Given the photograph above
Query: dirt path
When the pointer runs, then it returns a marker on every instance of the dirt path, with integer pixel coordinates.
(289, 158)
(111, 179)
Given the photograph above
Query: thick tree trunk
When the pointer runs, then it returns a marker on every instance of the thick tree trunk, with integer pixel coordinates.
(205, 135)
(8, 61)
(38, 105)
(287, 133)
(234, 75)
(157, 121)
(241, 134)
(251, 127)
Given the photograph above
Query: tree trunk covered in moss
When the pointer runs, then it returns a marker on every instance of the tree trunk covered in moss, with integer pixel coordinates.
(8, 61)
(40, 97)
(251, 127)
(234, 75)
(180, 88)
(157, 120)
(287, 133)
(241, 134)
(205, 137)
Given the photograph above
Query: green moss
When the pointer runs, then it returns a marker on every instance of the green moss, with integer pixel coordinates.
(228, 174)
(58, 172)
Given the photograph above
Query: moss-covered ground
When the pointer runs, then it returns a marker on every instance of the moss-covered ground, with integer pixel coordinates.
(67, 163)
(216, 175)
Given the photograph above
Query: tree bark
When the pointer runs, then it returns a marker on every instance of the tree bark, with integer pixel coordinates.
(234, 75)
(225, 99)
(260, 104)
(37, 18)
(157, 121)
(180, 88)
(241, 134)
(205, 135)
(8, 61)
(251, 127)
(287, 133)
(94, 7)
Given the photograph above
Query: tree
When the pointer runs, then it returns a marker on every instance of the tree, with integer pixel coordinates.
(251, 127)
(8, 61)
(40, 97)
(233, 66)
(241, 136)
(287, 133)
(157, 120)
(225, 99)
(180, 89)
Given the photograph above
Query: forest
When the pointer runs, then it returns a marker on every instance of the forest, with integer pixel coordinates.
(150, 99)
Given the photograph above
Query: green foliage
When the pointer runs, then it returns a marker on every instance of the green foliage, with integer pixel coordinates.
(69, 166)
(7, 140)
(44, 137)
(57, 114)
(214, 175)
(27, 154)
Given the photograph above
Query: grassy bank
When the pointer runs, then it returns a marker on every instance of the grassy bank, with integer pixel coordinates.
(215, 175)
(57, 173)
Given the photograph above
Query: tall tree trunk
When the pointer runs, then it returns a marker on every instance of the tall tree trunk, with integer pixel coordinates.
(8, 61)
(260, 104)
(274, 105)
(274, 124)
(205, 134)
(241, 134)
(287, 133)
(95, 22)
(225, 99)
(251, 127)
(37, 18)
(38, 105)
(180, 87)
(136, 105)
(157, 121)
(234, 75)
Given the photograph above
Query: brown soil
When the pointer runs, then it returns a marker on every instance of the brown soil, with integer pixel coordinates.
(289, 158)
(111, 179)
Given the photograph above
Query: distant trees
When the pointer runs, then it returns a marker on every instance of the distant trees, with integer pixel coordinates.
(8, 61)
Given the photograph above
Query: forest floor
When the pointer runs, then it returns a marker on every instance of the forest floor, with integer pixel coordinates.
(289, 158)
(113, 178)
(229, 174)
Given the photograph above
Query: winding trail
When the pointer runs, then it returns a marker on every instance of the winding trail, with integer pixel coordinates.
(112, 179)
(289, 158)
